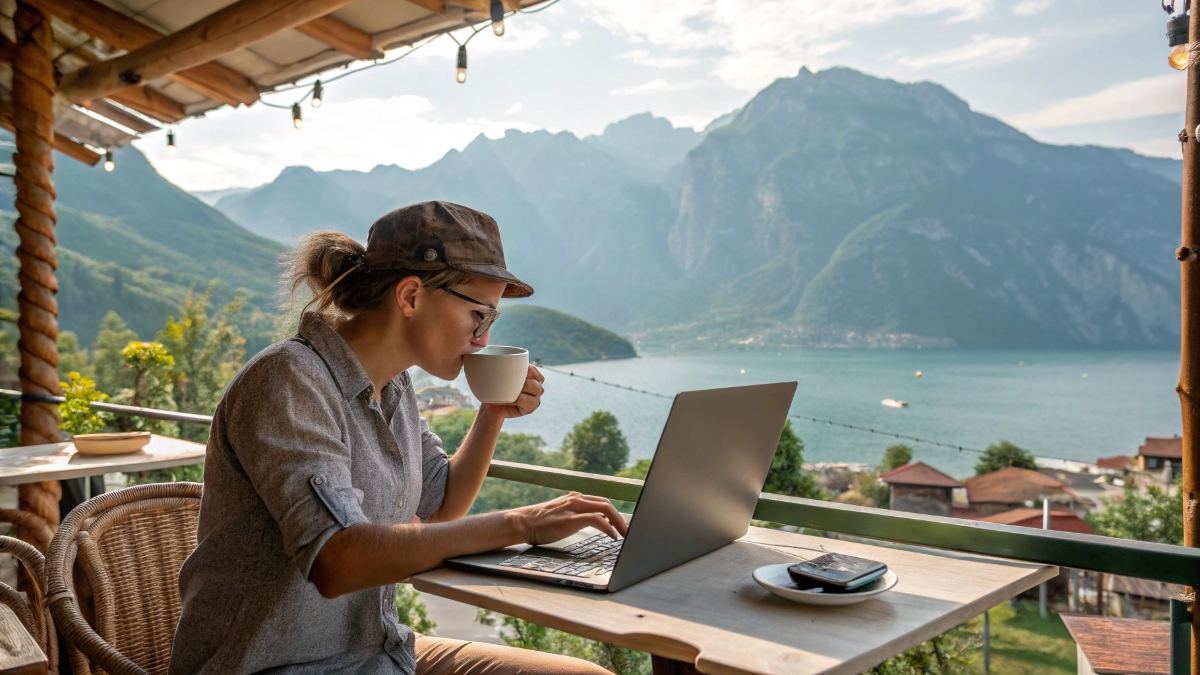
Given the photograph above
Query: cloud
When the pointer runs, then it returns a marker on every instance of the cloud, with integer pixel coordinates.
(644, 57)
(251, 147)
(651, 87)
(514, 108)
(1031, 7)
(1146, 97)
(982, 50)
(757, 41)
(571, 36)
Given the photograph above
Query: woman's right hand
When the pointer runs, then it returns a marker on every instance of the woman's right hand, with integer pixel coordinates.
(559, 518)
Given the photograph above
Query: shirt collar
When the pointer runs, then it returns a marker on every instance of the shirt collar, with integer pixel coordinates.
(348, 373)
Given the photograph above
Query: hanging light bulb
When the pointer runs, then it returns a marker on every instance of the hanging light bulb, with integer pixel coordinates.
(297, 121)
(318, 91)
(170, 141)
(497, 8)
(461, 75)
(1177, 40)
(109, 164)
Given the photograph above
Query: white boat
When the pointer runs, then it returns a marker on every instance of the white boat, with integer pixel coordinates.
(893, 403)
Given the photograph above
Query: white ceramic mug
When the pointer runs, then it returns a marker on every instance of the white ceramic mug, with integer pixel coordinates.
(496, 374)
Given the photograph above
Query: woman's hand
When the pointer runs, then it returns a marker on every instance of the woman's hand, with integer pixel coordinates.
(558, 518)
(528, 401)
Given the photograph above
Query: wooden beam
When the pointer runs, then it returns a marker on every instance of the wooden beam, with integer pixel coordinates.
(81, 126)
(242, 23)
(213, 80)
(63, 144)
(341, 36)
(120, 116)
(151, 103)
(415, 30)
(436, 6)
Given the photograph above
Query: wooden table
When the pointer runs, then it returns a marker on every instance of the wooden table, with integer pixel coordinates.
(711, 614)
(19, 652)
(60, 461)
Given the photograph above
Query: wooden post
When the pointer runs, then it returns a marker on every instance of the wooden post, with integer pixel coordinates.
(33, 122)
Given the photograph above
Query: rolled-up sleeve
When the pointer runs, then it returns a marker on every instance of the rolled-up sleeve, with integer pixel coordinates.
(435, 469)
(295, 455)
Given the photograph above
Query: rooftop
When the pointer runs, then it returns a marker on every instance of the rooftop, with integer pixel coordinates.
(1013, 485)
(919, 473)
(1122, 645)
(1170, 448)
(1062, 520)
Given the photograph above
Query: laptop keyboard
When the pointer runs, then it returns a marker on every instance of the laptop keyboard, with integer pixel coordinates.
(590, 557)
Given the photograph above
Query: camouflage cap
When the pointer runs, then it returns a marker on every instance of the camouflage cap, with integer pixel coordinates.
(434, 236)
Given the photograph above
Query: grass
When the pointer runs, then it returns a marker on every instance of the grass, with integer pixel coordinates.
(1024, 642)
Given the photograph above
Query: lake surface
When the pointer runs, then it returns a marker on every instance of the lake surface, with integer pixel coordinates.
(1068, 404)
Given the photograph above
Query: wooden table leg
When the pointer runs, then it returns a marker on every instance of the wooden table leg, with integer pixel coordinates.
(665, 666)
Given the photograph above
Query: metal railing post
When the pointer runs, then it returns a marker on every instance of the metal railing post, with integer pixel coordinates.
(1181, 632)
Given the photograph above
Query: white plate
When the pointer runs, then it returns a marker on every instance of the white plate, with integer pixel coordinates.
(775, 578)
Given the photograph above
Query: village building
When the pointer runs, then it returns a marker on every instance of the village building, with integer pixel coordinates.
(1106, 645)
(920, 488)
(1162, 454)
(1013, 487)
(1061, 519)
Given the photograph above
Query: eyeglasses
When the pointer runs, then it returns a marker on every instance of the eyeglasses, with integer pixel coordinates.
(484, 317)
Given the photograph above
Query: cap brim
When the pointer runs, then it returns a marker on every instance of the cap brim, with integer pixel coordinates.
(516, 288)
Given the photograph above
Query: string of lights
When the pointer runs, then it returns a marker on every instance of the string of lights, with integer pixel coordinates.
(806, 418)
(316, 91)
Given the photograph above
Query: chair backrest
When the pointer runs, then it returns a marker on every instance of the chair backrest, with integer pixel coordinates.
(129, 545)
(31, 607)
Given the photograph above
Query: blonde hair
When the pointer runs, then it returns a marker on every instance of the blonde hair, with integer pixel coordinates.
(331, 265)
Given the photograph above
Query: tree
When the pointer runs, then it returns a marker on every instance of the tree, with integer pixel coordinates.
(895, 457)
(451, 427)
(529, 635)
(150, 365)
(71, 355)
(107, 362)
(411, 610)
(596, 444)
(1152, 515)
(1003, 455)
(207, 351)
(75, 414)
(787, 475)
(638, 469)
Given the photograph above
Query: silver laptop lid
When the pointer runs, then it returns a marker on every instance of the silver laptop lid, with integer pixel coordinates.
(705, 477)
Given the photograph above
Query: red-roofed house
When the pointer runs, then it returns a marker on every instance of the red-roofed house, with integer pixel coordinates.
(1118, 463)
(1107, 645)
(920, 488)
(1158, 453)
(1063, 520)
(1013, 487)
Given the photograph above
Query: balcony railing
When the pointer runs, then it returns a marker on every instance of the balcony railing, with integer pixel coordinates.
(1144, 560)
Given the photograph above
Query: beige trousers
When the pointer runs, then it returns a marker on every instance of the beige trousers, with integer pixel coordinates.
(443, 656)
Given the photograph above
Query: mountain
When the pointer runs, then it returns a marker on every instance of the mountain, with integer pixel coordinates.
(211, 197)
(133, 242)
(833, 208)
(842, 204)
(647, 143)
(555, 338)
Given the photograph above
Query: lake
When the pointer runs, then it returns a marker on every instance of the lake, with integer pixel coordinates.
(1068, 404)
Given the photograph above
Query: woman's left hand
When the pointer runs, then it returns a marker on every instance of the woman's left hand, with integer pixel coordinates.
(527, 402)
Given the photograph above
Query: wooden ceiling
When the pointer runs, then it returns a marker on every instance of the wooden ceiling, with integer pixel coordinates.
(130, 67)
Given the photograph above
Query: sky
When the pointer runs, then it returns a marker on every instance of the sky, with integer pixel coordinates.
(1063, 71)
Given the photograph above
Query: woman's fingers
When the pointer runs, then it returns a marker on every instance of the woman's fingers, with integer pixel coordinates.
(601, 506)
(597, 521)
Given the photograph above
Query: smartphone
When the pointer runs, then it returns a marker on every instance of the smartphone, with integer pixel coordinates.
(836, 572)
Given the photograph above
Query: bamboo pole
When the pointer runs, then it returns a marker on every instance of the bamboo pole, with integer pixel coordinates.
(33, 123)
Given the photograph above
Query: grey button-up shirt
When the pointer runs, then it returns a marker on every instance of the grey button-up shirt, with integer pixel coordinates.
(298, 451)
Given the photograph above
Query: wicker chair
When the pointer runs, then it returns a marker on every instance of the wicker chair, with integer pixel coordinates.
(31, 608)
(130, 545)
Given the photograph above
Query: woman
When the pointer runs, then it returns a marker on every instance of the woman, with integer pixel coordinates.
(324, 487)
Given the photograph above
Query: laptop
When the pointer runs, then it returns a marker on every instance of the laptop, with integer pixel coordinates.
(702, 487)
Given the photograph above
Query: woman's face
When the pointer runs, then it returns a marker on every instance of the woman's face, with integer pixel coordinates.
(442, 329)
